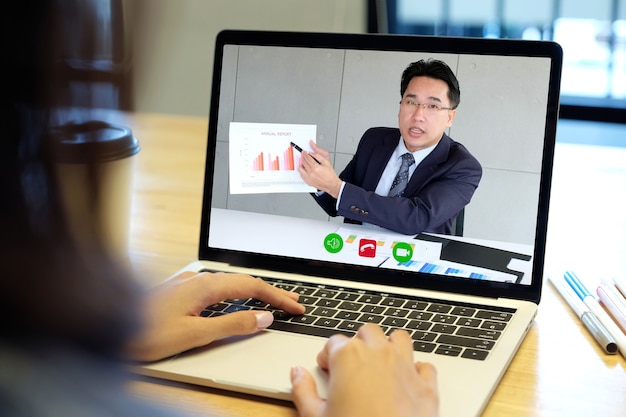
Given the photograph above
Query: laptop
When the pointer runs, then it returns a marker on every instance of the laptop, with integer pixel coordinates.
(468, 298)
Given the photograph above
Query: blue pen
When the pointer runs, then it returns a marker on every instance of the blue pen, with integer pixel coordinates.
(588, 319)
(595, 307)
(576, 285)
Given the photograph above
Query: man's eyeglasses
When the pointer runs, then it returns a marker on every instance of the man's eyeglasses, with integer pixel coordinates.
(429, 108)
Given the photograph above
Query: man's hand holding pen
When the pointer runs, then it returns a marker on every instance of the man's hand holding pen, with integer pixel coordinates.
(317, 171)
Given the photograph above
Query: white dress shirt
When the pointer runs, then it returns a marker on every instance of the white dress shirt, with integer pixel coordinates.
(393, 165)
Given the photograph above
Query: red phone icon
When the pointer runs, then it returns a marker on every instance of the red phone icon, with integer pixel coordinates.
(367, 248)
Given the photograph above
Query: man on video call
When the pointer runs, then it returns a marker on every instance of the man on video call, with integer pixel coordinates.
(409, 180)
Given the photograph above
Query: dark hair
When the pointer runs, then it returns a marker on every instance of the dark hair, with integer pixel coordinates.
(52, 287)
(434, 69)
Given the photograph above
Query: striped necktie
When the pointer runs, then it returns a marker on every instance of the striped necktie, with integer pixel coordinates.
(402, 178)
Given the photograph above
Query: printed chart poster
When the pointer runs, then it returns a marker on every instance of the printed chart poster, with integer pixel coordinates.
(262, 159)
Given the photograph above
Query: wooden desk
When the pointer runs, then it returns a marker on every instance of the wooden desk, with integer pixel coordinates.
(558, 371)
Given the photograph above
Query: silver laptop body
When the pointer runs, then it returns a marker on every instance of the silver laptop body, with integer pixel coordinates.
(338, 86)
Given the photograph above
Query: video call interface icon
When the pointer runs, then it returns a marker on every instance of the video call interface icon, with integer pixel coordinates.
(333, 243)
(367, 248)
(402, 252)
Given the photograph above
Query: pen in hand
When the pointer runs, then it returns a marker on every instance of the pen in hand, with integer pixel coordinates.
(299, 149)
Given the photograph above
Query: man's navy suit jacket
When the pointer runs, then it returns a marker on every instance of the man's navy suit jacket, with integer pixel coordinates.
(441, 186)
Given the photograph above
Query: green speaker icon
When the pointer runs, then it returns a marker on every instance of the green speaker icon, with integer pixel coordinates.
(333, 243)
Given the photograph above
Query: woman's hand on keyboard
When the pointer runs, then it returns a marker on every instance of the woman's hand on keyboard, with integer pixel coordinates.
(172, 318)
(369, 375)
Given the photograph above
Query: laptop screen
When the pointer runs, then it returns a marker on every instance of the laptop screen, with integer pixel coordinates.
(274, 93)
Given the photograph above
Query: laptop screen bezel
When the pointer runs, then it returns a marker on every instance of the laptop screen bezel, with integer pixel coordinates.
(400, 43)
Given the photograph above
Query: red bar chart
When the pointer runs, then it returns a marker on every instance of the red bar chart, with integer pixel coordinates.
(266, 161)
(262, 160)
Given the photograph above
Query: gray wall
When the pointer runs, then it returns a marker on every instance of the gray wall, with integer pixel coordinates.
(173, 41)
(500, 120)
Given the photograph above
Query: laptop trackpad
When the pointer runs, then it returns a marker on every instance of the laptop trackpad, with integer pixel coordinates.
(258, 364)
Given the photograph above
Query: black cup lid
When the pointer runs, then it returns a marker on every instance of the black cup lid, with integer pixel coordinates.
(95, 141)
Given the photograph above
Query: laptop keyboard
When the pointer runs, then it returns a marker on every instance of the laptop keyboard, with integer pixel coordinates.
(463, 330)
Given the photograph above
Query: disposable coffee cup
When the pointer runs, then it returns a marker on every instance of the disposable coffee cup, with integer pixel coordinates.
(97, 155)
